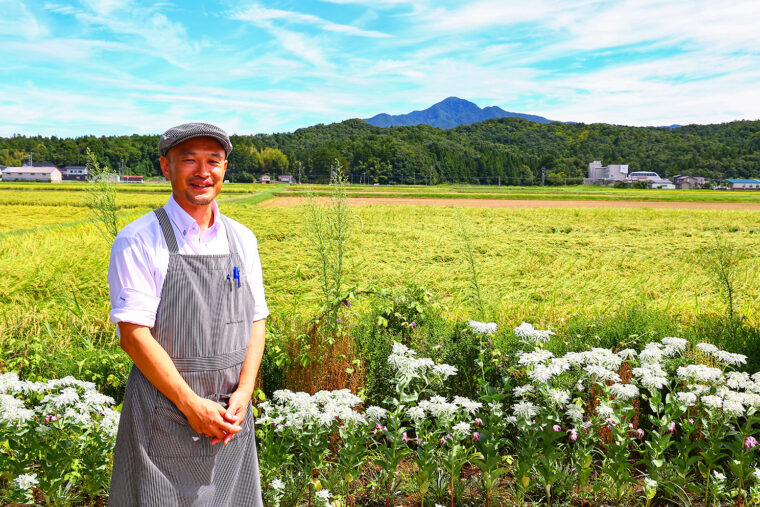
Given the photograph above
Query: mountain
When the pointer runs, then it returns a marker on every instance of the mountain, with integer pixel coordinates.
(449, 113)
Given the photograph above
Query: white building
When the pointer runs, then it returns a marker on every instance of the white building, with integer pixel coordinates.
(744, 184)
(29, 173)
(653, 178)
(599, 174)
(75, 172)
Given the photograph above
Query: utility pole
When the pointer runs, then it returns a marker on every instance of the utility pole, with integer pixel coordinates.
(31, 164)
(543, 175)
(121, 169)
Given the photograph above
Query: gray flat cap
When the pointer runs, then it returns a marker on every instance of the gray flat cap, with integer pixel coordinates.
(176, 135)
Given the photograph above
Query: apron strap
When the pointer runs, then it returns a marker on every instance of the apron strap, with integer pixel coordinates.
(230, 237)
(166, 228)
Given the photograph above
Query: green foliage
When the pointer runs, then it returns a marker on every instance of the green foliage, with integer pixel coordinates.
(506, 150)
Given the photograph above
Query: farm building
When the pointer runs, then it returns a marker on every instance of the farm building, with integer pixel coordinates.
(653, 178)
(599, 174)
(132, 178)
(286, 178)
(32, 173)
(265, 178)
(743, 184)
(1, 171)
(75, 173)
(684, 182)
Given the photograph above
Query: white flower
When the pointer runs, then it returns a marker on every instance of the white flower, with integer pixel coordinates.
(677, 343)
(729, 358)
(461, 430)
(541, 373)
(603, 357)
(650, 484)
(574, 412)
(467, 404)
(445, 370)
(525, 410)
(521, 391)
(376, 413)
(719, 476)
(526, 331)
(68, 396)
(601, 373)
(733, 407)
(277, 484)
(624, 391)
(756, 473)
(13, 410)
(627, 353)
(707, 348)
(26, 481)
(403, 359)
(109, 423)
(687, 399)
(558, 397)
(738, 380)
(324, 494)
(711, 401)
(437, 406)
(604, 411)
(482, 327)
(536, 357)
(698, 373)
(576, 358)
(652, 353)
(416, 414)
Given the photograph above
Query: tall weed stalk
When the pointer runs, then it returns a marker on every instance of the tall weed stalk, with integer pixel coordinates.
(323, 353)
(723, 262)
(101, 197)
(465, 235)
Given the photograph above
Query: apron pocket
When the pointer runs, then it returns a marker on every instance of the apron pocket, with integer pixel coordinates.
(172, 437)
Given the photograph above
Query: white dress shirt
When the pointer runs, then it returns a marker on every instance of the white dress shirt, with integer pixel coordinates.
(140, 259)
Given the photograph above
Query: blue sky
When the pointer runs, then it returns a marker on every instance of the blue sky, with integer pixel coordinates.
(117, 67)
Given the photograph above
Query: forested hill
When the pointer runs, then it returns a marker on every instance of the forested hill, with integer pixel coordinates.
(511, 149)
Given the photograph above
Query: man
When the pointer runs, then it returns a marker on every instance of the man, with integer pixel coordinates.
(187, 295)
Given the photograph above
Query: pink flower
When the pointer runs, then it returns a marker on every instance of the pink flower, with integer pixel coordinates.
(671, 427)
(412, 324)
(630, 426)
(438, 347)
(639, 433)
(749, 443)
(405, 438)
(379, 428)
(557, 428)
(476, 437)
(691, 421)
(611, 422)
(478, 421)
(573, 434)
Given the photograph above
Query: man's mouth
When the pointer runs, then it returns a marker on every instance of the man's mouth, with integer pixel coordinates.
(202, 186)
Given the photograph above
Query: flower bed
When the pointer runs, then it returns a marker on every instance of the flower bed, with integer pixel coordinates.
(668, 423)
(56, 439)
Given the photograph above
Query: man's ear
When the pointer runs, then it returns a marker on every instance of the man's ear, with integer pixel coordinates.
(165, 167)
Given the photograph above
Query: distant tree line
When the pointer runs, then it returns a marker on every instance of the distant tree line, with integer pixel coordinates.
(509, 150)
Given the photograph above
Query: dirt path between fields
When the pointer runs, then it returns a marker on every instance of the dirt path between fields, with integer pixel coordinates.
(519, 203)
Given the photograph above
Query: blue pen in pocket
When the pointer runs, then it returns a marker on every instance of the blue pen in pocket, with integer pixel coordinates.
(236, 275)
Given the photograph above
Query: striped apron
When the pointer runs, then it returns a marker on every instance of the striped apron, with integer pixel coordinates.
(204, 323)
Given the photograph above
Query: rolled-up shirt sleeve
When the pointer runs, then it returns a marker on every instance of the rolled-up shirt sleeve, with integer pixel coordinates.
(131, 284)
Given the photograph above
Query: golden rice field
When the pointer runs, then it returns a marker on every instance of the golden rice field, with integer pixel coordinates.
(546, 265)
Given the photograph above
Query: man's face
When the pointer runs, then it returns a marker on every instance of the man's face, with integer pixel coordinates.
(196, 169)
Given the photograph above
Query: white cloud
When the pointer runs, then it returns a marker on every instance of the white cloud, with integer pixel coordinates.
(18, 21)
(260, 15)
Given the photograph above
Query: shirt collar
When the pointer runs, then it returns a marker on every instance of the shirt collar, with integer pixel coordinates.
(185, 223)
